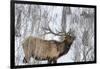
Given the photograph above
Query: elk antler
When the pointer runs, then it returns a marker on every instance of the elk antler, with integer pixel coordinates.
(48, 29)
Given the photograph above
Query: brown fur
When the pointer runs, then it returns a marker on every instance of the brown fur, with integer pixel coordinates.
(49, 50)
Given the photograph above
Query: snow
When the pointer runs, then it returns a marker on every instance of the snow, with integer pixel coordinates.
(74, 21)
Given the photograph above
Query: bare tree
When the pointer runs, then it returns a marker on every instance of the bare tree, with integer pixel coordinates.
(66, 11)
(86, 48)
(18, 23)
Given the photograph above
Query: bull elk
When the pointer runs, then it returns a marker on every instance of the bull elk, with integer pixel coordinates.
(49, 50)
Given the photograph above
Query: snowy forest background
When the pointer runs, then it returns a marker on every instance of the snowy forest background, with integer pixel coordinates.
(30, 19)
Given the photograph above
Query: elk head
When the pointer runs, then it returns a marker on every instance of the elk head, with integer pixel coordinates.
(68, 38)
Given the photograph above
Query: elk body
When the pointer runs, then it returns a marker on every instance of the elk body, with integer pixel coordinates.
(49, 50)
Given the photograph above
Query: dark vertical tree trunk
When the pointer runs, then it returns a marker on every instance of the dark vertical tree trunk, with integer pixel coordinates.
(66, 11)
(18, 25)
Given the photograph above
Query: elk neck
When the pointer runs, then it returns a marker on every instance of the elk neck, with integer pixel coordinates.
(64, 47)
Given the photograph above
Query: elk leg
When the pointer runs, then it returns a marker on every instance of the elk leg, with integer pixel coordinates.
(49, 61)
(54, 61)
(24, 60)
